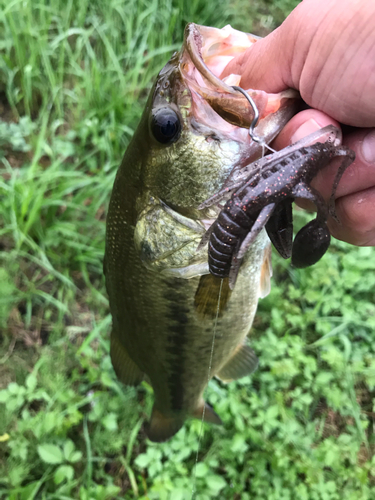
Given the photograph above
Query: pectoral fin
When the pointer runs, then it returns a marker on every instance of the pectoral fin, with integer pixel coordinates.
(126, 370)
(207, 296)
(266, 273)
(242, 363)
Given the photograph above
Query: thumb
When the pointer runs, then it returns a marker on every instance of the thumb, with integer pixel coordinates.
(276, 62)
(264, 65)
(324, 49)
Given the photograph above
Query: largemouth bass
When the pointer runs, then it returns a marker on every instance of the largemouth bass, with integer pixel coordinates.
(193, 133)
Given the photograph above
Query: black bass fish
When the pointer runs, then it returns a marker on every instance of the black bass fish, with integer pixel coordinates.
(193, 133)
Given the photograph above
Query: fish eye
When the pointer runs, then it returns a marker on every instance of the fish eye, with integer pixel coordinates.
(165, 125)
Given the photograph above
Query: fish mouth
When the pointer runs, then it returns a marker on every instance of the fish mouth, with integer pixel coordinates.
(205, 54)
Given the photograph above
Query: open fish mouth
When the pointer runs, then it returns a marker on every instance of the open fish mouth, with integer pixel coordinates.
(215, 104)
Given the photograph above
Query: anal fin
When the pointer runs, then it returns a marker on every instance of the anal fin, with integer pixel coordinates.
(126, 370)
(243, 362)
(210, 415)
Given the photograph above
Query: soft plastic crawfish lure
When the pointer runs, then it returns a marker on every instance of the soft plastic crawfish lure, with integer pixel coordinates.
(261, 195)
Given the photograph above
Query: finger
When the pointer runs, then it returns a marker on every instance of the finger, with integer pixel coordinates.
(263, 66)
(358, 176)
(355, 205)
(326, 50)
(356, 213)
(355, 196)
(302, 124)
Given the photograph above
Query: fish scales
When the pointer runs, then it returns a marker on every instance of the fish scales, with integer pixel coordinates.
(162, 298)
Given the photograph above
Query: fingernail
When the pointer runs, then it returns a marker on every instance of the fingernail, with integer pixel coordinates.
(305, 129)
(368, 147)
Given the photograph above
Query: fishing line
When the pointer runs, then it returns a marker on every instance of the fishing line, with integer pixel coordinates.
(193, 491)
(260, 141)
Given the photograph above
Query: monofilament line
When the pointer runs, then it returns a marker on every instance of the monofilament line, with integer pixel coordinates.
(208, 380)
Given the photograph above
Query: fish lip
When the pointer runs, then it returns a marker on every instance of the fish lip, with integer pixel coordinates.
(193, 44)
(228, 103)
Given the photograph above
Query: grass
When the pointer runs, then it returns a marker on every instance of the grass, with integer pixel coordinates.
(73, 82)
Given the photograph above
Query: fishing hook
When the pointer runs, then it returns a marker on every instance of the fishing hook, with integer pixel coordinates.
(254, 123)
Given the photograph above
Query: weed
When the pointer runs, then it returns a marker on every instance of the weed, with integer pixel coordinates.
(73, 81)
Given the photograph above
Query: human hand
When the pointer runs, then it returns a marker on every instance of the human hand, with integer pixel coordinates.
(326, 50)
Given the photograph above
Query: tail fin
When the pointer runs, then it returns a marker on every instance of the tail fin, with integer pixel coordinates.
(163, 427)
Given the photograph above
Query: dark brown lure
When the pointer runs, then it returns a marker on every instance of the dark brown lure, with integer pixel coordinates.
(264, 197)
